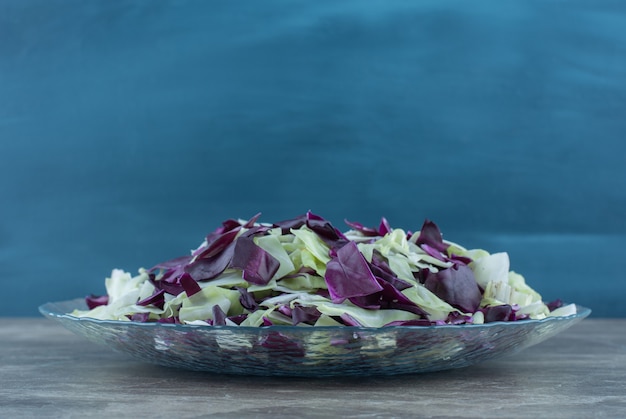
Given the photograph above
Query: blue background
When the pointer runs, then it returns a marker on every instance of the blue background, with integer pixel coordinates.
(130, 129)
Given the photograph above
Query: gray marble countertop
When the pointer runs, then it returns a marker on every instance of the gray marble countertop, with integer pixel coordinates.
(46, 371)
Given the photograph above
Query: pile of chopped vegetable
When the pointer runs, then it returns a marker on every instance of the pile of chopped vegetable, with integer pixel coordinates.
(305, 272)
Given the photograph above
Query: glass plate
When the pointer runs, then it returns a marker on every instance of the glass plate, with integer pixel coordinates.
(309, 351)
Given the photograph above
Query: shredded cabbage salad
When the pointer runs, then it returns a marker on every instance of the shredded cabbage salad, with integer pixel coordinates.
(305, 272)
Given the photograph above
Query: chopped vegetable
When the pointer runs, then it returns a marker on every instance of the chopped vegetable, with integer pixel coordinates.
(305, 272)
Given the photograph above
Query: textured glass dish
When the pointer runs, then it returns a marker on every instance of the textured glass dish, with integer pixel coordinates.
(308, 351)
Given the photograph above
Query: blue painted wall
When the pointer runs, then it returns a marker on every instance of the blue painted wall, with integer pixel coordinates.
(130, 129)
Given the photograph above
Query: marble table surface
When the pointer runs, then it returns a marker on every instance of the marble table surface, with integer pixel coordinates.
(46, 371)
